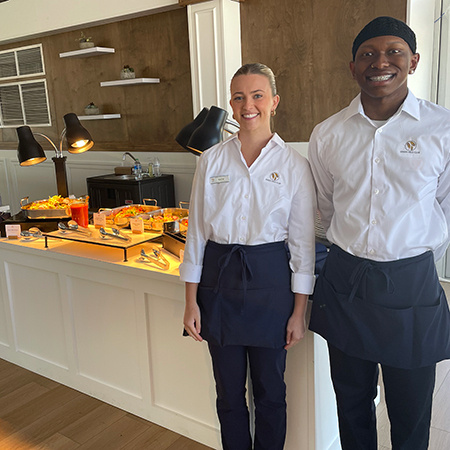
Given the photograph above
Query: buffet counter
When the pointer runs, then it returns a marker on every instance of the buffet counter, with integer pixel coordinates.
(79, 314)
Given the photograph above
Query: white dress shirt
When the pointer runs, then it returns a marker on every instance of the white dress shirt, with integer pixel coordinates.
(272, 200)
(383, 191)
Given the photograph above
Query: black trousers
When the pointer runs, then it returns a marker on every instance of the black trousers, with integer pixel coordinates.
(267, 366)
(408, 393)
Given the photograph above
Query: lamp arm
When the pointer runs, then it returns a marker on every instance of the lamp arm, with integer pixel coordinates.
(63, 134)
(49, 140)
(231, 122)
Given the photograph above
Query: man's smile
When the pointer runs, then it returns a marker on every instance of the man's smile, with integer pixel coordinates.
(377, 78)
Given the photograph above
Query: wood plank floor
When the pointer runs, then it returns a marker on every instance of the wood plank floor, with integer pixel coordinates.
(37, 413)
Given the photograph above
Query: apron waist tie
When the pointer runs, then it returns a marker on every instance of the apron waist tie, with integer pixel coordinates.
(360, 272)
(246, 272)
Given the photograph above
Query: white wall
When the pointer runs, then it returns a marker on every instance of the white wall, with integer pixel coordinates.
(421, 15)
(24, 18)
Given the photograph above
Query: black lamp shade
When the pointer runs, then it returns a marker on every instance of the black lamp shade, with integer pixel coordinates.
(78, 138)
(186, 132)
(29, 151)
(209, 132)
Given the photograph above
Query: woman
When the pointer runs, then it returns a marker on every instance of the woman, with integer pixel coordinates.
(248, 261)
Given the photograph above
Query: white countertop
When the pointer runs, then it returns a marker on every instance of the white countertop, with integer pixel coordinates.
(96, 254)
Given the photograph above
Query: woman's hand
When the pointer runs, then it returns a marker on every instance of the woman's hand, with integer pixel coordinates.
(191, 321)
(296, 327)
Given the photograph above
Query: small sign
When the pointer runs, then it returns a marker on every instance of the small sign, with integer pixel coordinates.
(13, 231)
(137, 225)
(99, 220)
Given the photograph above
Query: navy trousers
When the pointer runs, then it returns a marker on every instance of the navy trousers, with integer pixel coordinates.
(267, 366)
(408, 393)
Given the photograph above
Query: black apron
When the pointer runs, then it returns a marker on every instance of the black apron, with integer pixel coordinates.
(394, 313)
(245, 295)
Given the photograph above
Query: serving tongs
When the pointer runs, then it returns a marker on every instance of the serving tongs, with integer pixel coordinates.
(156, 258)
(73, 226)
(33, 232)
(115, 234)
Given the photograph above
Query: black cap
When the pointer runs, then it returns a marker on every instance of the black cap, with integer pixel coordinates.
(385, 26)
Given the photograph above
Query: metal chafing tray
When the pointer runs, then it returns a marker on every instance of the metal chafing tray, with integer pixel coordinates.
(171, 225)
(111, 213)
(174, 243)
(43, 213)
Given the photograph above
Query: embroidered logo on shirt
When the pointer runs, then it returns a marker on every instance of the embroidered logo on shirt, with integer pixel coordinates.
(219, 179)
(274, 177)
(410, 147)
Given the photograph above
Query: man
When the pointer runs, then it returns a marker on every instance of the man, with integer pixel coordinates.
(381, 168)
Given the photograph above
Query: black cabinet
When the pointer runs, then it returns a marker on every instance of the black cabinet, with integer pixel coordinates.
(109, 191)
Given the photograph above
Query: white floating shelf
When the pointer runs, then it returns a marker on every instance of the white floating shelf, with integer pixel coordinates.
(129, 81)
(86, 52)
(99, 117)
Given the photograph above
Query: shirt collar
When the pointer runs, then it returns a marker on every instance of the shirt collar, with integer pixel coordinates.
(275, 140)
(409, 106)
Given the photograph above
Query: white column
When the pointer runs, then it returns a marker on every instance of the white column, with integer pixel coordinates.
(421, 17)
(215, 51)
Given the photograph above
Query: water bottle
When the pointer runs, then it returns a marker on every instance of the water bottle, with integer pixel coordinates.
(156, 168)
(137, 169)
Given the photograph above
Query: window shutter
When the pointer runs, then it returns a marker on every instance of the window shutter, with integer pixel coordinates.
(8, 66)
(10, 106)
(23, 102)
(30, 61)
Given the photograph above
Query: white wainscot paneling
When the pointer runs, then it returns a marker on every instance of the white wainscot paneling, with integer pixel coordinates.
(35, 302)
(181, 373)
(4, 188)
(4, 339)
(105, 334)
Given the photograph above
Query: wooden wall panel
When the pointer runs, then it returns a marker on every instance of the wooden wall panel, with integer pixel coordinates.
(156, 46)
(307, 43)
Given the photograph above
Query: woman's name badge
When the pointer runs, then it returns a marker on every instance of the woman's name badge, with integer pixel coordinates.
(219, 179)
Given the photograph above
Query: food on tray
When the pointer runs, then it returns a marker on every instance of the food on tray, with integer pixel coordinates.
(156, 222)
(171, 217)
(130, 211)
(121, 216)
(55, 202)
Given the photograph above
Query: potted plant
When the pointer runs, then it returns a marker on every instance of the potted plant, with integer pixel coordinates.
(91, 109)
(127, 72)
(85, 42)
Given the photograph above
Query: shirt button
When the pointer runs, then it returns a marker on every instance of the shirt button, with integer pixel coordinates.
(246, 196)
(241, 239)
(374, 222)
(243, 218)
(377, 160)
(376, 191)
(380, 130)
(371, 251)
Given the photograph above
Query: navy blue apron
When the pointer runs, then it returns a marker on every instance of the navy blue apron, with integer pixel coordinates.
(245, 295)
(394, 313)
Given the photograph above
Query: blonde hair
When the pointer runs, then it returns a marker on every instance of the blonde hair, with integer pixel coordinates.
(258, 69)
